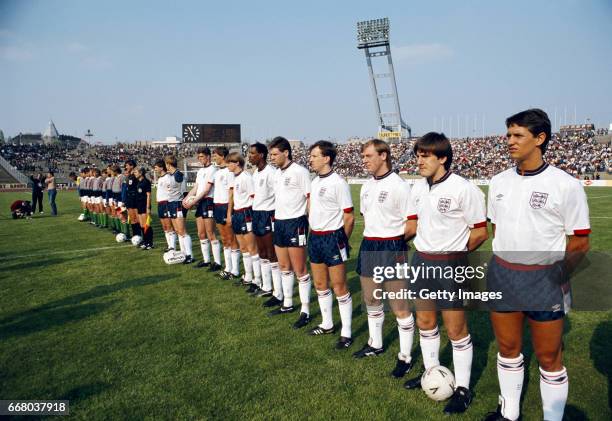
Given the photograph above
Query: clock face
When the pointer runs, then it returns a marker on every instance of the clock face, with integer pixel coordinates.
(191, 133)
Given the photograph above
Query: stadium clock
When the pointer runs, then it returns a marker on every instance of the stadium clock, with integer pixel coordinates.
(191, 133)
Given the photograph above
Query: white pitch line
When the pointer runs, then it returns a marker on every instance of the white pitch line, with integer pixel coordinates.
(601, 217)
(80, 251)
(597, 197)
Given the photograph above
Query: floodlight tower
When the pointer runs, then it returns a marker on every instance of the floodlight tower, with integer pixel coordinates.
(373, 38)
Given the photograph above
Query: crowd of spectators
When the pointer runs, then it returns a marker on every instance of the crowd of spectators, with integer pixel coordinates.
(580, 154)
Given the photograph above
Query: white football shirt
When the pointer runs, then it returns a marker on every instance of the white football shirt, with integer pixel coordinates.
(243, 190)
(447, 210)
(533, 212)
(386, 203)
(174, 186)
(223, 178)
(263, 183)
(291, 189)
(204, 177)
(330, 197)
(162, 188)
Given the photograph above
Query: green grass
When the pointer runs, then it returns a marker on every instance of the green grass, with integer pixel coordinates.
(123, 336)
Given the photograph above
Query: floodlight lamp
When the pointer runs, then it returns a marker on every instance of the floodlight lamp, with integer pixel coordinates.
(372, 33)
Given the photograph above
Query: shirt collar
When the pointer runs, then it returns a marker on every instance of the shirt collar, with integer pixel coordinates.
(326, 175)
(537, 171)
(286, 166)
(385, 175)
(441, 180)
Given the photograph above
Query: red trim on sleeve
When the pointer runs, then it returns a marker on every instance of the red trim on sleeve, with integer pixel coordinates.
(584, 232)
(413, 217)
(308, 195)
(482, 224)
(348, 210)
(252, 196)
(231, 188)
(210, 182)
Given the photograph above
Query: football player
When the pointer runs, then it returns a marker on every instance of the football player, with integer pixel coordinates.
(541, 226)
(451, 222)
(161, 196)
(291, 196)
(143, 204)
(331, 221)
(131, 197)
(175, 212)
(263, 214)
(390, 218)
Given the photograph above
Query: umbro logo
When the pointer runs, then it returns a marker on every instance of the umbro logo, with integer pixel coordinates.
(336, 257)
(499, 197)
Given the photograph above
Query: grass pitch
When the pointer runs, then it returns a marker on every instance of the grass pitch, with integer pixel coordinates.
(123, 336)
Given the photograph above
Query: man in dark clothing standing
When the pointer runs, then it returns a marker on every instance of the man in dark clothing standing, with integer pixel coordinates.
(37, 192)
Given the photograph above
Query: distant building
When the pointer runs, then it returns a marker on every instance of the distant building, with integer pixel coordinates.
(50, 135)
(1, 136)
(296, 143)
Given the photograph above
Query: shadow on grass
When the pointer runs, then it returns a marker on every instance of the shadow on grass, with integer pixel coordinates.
(42, 320)
(83, 392)
(70, 308)
(31, 264)
(600, 346)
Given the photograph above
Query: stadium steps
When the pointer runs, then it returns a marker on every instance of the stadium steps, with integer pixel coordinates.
(6, 178)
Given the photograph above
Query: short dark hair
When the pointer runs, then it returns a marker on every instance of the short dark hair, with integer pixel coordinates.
(51, 172)
(535, 120)
(221, 151)
(260, 148)
(281, 144)
(160, 163)
(131, 162)
(205, 150)
(437, 144)
(327, 149)
(171, 160)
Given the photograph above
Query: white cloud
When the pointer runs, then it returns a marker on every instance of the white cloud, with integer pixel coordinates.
(76, 48)
(15, 53)
(422, 53)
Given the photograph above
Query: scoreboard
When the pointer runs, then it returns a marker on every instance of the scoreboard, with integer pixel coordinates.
(211, 133)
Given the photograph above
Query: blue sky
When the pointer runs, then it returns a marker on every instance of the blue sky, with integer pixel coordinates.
(132, 70)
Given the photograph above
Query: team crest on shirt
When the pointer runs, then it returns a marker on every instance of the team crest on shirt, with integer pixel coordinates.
(287, 181)
(538, 199)
(444, 204)
(382, 196)
(322, 191)
(261, 182)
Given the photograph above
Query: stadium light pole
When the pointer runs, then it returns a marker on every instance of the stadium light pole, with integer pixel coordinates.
(373, 38)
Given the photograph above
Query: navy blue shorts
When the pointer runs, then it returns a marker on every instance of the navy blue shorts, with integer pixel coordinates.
(328, 247)
(175, 210)
(117, 196)
(220, 213)
(538, 291)
(108, 194)
(434, 276)
(131, 202)
(262, 222)
(291, 232)
(162, 210)
(242, 221)
(205, 208)
(381, 252)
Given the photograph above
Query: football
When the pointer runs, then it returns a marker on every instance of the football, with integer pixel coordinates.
(438, 383)
(173, 257)
(136, 240)
(81, 217)
(120, 238)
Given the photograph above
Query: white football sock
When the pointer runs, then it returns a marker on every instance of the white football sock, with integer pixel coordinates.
(510, 372)
(304, 286)
(345, 307)
(227, 255)
(277, 281)
(266, 275)
(287, 280)
(235, 262)
(182, 244)
(205, 246)
(173, 238)
(554, 387)
(187, 244)
(463, 352)
(256, 269)
(326, 301)
(430, 347)
(216, 251)
(405, 327)
(376, 318)
(248, 267)
(168, 238)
